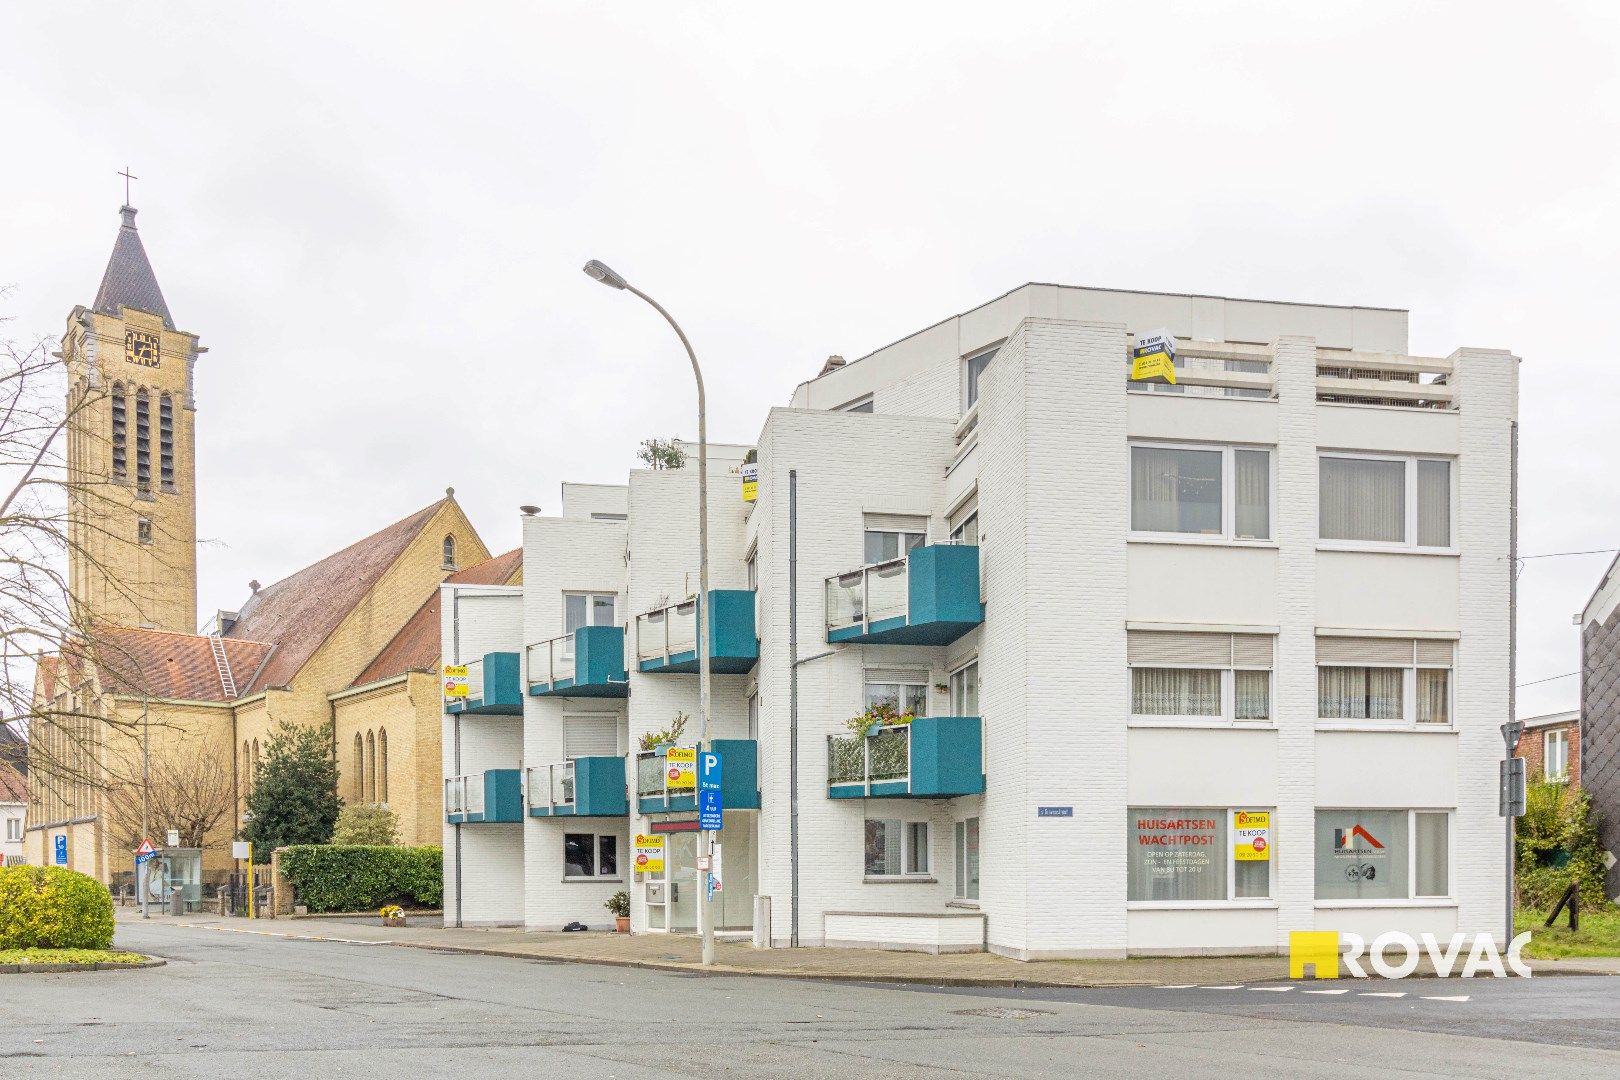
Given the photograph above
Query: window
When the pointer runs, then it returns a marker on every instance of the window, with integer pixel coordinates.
(1180, 855)
(382, 765)
(359, 768)
(1382, 854)
(1218, 492)
(449, 552)
(143, 443)
(896, 848)
(143, 530)
(967, 859)
(883, 545)
(860, 405)
(1391, 501)
(1384, 679)
(967, 532)
(1555, 754)
(1190, 675)
(905, 692)
(589, 855)
(587, 609)
(965, 690)
(753, 716)
(370, 776)
(972, 371)
(14, 828)
(166, 442)
(590, 735)
(120, 466)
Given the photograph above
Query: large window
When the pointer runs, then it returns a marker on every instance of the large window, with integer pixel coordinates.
(1181, 855)
(965, 690)
(585, 609)
(1384, 680)
(1555, 754)
(590, 855)
(972, 371)
(904, 691)
(885, 544)
(967, 859)
(896, 848)
(1198, 676)
(1382, 854)
(1221, 492)
(1385, 501)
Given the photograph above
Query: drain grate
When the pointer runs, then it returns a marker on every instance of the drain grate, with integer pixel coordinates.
(997, 1012)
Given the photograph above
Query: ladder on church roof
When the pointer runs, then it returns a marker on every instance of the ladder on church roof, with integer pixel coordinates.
(226, 681)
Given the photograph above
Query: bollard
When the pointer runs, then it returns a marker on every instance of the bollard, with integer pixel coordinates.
(762, 922)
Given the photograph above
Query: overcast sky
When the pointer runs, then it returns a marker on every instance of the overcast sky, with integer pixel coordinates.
(374, 217)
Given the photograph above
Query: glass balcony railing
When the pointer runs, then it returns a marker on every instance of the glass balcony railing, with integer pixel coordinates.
(931, 757)
(587, 663)
(493, 687)
(666, 637)
(930, 596)
(489, 796)
(582, 787)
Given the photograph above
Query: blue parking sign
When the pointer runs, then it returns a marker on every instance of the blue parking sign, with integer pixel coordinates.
(61, 849)
(709, 813)
(709, 771)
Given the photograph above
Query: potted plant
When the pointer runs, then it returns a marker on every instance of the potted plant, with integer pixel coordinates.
(658, 740)
(393, 915)
(619, 905)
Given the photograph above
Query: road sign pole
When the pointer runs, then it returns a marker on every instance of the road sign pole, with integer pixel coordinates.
(250, 879)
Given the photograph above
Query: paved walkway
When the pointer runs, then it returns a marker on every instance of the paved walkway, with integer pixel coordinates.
(680, 953)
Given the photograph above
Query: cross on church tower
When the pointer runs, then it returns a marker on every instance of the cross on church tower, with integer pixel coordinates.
(128, 176)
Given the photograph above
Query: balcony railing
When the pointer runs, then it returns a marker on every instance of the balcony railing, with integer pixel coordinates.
(929, 596)
(493, 687)
(666, 637)
(739, 779)
(489, 796)
(464, 795)
(931, 757)
(586, 663)
(582, 787)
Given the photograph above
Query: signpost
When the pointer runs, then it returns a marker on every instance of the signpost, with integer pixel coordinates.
(243, 849)
(709, 805)
(61, 849)
(143, 856)
(1510, 803)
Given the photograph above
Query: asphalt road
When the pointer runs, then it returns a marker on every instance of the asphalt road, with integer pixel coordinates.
(234, 1005)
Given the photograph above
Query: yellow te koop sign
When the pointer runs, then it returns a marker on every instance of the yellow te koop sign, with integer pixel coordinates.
(649, 854)
(680, 772)
(750, 479)
(1251, 836)
(455, 681)
(1154, 357)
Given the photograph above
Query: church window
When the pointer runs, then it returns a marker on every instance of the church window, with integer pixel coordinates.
(382, 765)
(449, 552)
(143, 530)
(371, 768)
(143, 443)
(247, 770)
(254, 773)
(359, 769)
(166, 442)
(120, 467)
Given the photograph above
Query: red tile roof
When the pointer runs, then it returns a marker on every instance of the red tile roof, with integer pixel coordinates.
(300, 612)
(416, 646)
(13, 786)
(164, 664)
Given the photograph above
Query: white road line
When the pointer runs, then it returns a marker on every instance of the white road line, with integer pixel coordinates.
(1235, 986)
(1369, 993)
(1179, 986)
(1273, 989)
(1463, 997)
(1327, 991)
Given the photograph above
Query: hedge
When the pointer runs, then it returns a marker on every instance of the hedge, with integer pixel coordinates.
(339, 877)
(48, 907)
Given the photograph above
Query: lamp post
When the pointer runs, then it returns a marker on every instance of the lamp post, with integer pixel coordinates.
(605, 274)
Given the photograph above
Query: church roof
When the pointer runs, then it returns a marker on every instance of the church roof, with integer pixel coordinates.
(136, 661)
(416, 646)
(13, 785)
(300, 612)
(128, 280)
(13, 749)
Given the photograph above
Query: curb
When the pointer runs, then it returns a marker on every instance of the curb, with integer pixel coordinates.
(62, 969)
(410, 913)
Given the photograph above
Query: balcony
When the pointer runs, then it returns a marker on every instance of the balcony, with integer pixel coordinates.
(493, 687)
(933, 757)
(666, 639)
(587, 663)
(929, 597)
(739, 780)
(583, 787)
(493, 795)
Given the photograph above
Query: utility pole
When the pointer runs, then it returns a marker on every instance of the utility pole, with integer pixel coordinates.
(143, 880)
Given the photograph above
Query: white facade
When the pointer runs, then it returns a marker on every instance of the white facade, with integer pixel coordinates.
(11, 832)
(1280, 590)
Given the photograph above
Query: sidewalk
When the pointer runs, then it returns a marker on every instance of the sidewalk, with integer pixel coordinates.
(680, 953)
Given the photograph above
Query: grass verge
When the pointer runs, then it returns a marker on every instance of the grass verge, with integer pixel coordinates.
(1599, 934)
(69, 956)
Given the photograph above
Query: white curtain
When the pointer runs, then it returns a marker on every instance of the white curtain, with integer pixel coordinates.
(882, 848)
(1175, 490)
(1359, 693)
(1175, 692)
(1434, 503)
(1252, 481)
(1363, 499)
(1433, 697)
(1252, 695)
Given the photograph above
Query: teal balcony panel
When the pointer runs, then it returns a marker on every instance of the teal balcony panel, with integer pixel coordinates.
(494, 687)
(933, 757)
(666, 639)
(589, 663)
(930, 597)
(739, 780)
(583, 787)
(492, 796)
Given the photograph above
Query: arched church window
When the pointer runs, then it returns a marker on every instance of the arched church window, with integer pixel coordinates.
(143, 442)
(450, 552)
(371, 768)
(120, 464)
(255, 762)
(359, 769)
(247, 770)
(382, 765)
(166, 442)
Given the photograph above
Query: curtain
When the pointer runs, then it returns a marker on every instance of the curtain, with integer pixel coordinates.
(1433, 855)
(1252, 479)
(1252, 695)
(1363, 499)
(1434, 503)
(1175, 692)
(1175, 490)
(882, 848)
(1433, 697)
(1359, 693)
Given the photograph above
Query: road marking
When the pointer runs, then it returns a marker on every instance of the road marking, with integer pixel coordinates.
(1234, 986)
(1327, 991)
(1272, 989)
(1463, 997)
(1370, 993)
(1179, 986)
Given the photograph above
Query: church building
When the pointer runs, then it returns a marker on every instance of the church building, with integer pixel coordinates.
(140, 715)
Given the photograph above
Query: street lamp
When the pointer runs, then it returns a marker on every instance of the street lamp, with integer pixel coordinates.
(607, 276)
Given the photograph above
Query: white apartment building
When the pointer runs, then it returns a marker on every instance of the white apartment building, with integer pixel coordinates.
(1165, 669)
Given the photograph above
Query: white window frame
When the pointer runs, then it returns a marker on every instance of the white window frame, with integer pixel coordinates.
(868, 681)
(1413, 897)
(959, 828)
(1410, 544)
(1228, 494)
(591, 596)
(1232, 899)
(596, 856)
(1548, 737)
(1408, 720)
(906, 826)
(960, 672)
(899, 544)
(14, 828)
(967, 358)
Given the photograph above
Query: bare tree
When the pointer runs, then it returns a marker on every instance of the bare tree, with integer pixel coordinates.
(187, 790)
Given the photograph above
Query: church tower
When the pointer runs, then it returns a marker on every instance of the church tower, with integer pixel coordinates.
(130, 450)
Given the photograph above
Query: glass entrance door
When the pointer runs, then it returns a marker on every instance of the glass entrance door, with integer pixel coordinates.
(680, 871)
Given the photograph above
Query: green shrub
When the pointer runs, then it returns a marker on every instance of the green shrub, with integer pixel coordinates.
(48, 907)
(365, 824)
(1557, 840)
(330, 877)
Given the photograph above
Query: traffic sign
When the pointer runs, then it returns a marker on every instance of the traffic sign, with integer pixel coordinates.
(708, 771)
(709, 813)
(61, 849)
(146, 847)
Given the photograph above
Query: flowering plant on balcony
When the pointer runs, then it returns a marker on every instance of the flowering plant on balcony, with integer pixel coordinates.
(880, 715)
(671, 735)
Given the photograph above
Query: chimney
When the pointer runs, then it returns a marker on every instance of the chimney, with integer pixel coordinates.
(254, 585)
(834, 362)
